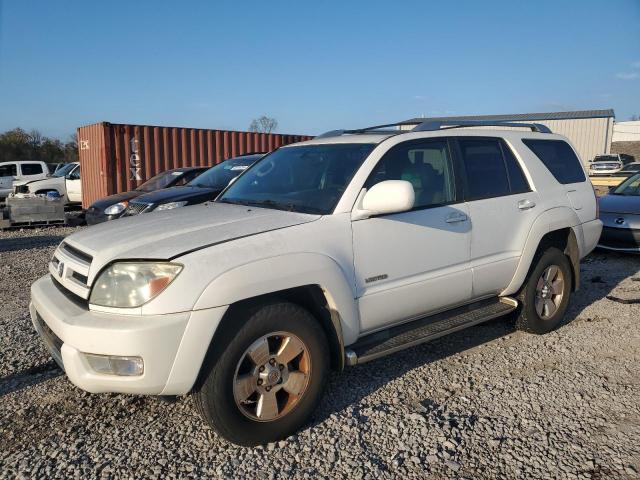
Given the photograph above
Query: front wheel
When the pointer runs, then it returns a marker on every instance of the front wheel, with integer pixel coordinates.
(545, 296)
(264, 385)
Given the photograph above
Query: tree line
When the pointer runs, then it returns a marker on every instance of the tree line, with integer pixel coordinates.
(17, 144)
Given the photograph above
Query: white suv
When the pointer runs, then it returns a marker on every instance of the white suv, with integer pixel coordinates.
(325, 253)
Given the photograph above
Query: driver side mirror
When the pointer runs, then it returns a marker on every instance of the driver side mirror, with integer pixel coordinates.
(384, 198)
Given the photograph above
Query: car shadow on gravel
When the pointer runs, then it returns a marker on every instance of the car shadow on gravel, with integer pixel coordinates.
(23, 243)
(29, 377)
(353, 384)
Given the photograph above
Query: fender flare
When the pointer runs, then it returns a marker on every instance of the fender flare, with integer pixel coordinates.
(548, 221)
(294, 270)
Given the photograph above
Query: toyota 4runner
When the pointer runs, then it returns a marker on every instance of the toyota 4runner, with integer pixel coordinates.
(326, 253)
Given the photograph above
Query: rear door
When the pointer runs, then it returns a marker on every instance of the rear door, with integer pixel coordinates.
(502, 208)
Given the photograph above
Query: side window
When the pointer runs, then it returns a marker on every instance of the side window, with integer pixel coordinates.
(485, 168)
(426, 164)
(8, 170)
(31, 169)
(559, 158)
(517, 180)
(75, 174)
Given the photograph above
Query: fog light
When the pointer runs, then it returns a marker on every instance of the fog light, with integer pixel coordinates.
(114, 365)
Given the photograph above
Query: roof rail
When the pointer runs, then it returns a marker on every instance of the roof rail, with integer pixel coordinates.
(431, 125)
(337, 133)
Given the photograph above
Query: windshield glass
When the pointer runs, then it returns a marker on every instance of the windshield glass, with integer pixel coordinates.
(631, 186)
(219, 176)
(307, 179)
(64, 170)
(162, 180)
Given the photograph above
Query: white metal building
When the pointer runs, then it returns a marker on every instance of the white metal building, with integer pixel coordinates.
(591, 131)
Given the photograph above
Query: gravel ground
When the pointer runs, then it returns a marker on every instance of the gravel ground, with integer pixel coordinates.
(488, 402)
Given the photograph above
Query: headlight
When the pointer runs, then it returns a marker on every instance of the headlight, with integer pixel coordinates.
(132, 284)
(170, 206)
(116, 208)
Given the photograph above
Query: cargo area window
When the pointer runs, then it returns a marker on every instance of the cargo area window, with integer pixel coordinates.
(559, 158)
(8, 170)
(31, 169)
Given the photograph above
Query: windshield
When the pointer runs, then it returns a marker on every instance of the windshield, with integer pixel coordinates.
(307, 179)
(219, 176)
(64, 170)
(631, 186)
(162, 180)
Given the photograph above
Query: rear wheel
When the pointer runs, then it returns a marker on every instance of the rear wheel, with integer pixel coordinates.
(265, 383)
(545, 296)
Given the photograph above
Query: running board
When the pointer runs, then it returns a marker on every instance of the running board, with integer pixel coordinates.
(394, 339)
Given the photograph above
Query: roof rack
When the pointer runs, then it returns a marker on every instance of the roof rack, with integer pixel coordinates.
(431, 125)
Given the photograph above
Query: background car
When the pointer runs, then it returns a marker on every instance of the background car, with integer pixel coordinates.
(609, 164)
(65, 181)
(206, 186)
(630, 169)
(22, 171)
(114, 206)
(620, 213)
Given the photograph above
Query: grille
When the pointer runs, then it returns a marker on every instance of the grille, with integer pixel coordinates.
(77, 254)
(136, 208)
(50, 339)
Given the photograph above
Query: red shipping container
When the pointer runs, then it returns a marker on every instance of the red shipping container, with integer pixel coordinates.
(117, 157)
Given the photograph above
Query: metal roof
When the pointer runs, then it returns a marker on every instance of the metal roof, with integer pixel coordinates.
(515, 117)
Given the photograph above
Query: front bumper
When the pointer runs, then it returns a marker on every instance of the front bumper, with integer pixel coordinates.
(620, 239)
(172, 346)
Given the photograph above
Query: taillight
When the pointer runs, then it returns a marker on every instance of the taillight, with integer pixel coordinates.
(595, 194)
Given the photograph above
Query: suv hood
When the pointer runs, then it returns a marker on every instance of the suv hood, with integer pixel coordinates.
(177, 194)
(170, 234)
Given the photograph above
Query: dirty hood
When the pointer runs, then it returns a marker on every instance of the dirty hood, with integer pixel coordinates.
(170, 234)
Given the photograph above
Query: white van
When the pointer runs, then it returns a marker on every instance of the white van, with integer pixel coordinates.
(22, 171)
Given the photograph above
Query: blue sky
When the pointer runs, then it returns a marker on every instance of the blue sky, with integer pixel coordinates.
(314, 66)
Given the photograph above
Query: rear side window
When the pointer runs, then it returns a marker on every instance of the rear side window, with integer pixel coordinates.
(31, 169)
(517, 180)
(8, 170)
(485, 168)
(559, 158)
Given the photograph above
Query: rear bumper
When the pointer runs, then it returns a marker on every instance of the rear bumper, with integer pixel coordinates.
(172, 346)
(620, 239)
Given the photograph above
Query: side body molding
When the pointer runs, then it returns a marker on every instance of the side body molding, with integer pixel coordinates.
(283, 272)
(548, 221)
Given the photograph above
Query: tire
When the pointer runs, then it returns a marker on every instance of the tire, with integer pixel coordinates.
(542, 310)
(232, 370)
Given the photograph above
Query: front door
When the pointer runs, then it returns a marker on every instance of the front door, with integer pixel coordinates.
(416, 262)
(73, 186)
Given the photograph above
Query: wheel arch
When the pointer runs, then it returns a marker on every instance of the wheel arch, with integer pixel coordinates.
(554, 228)
(313, 281)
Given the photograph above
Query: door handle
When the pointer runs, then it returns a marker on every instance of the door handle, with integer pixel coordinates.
(456, 217)
(526, 204)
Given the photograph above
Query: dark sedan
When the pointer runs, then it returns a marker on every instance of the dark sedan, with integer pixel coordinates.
(620, 214)
(206, 187)
(114, 206)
